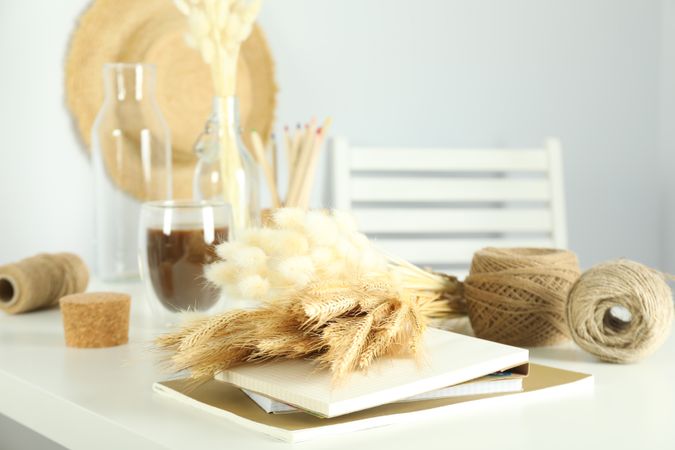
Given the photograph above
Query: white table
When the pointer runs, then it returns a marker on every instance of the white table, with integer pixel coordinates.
(86, 399)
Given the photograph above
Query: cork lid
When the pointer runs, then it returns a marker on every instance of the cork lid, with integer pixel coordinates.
(96, 319)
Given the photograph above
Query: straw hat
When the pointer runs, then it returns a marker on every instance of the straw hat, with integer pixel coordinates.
(151, 31)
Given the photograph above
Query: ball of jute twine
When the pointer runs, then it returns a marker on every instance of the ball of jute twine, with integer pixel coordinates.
(518, 296)
(602, 292)
(40, 281)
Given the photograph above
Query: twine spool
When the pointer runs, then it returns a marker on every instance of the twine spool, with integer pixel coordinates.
(517, 296)
(40, 281)
(597, 300)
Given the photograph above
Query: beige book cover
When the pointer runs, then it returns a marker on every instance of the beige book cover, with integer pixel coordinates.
(229, 402)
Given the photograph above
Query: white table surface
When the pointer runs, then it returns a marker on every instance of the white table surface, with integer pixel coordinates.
(86, 399)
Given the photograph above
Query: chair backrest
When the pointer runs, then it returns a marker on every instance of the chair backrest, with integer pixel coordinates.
(435, 207)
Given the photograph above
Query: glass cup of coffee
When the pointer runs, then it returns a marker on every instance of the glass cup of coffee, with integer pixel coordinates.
(176, 240)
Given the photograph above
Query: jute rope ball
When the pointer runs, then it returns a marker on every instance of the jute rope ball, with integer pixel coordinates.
(599, 296)
(517, 296)
(40, 281)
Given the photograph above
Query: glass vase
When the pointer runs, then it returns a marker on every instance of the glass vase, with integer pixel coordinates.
(225, 170)
(131, 154)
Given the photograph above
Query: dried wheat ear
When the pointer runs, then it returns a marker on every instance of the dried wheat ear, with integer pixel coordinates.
(327, 294)
(343, 325)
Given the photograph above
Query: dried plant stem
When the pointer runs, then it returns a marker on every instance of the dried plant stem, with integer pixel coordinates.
(344, 327)
(230, 167)
(439, 295)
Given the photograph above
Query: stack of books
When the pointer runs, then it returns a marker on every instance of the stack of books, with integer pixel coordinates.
(294, 401)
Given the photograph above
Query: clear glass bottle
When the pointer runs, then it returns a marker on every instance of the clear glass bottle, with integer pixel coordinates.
(233, 179)
(131, 153)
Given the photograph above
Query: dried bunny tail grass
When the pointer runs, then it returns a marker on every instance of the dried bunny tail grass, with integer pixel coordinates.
(221, 273)
(249, 260)
(297, 271)
(253, 287)
(322, 256)
(360, 240)
(345, 222)
(337, 268)
(369, 260)
(321, 228)
(286, 243)
(345, 249)
(256, 237)
(226, 250)
(290, 219)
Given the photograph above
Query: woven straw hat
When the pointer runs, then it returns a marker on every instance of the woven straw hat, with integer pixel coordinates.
(151, 31)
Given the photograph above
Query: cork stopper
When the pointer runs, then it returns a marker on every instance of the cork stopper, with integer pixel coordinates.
(96, 319)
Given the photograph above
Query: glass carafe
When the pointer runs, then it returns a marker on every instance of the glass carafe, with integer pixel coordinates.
(131, 151)
(225, 170)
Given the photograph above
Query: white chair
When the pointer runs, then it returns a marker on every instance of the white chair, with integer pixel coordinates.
(435, 207)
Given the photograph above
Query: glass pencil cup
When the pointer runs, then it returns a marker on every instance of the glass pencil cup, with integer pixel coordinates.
(176, 240)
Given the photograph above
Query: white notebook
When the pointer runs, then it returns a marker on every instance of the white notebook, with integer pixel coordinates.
(479, 387)
(447, 359)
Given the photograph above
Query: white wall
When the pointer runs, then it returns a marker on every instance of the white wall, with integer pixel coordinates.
(45, 178)
(667, 133)
(486, 72)
(427, 72)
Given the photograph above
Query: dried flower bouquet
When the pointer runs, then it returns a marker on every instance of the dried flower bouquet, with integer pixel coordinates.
(326, 294)
(217, 29)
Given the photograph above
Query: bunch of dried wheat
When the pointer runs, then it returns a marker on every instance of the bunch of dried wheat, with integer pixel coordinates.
(344, 325)
(439, 295)
(327, 292)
